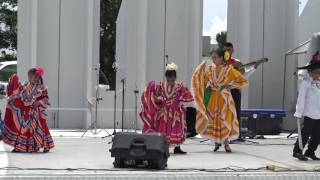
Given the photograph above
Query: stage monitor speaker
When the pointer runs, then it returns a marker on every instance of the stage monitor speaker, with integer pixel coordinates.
(191, 122)
(140, 150)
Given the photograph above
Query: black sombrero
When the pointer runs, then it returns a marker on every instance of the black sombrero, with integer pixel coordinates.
(312, 66)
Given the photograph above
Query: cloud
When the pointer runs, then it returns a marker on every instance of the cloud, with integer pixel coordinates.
(217, 25)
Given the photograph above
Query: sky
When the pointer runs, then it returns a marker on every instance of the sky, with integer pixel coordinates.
(215, 16)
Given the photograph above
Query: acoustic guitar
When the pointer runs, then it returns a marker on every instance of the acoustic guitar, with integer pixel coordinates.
(241, 67)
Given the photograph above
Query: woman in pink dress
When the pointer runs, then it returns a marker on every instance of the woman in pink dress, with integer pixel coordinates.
(164, 108)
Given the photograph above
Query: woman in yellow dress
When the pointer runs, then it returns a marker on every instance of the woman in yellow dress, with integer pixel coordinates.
(217, 117)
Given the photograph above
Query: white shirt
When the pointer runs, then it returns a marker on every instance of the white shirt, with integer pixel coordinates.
(249, 71)
(303, 74)
(308, 103)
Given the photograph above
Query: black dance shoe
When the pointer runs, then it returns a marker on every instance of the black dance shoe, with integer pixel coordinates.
(46, 150)
(177, 150)
(228, 149)
(15, 151)
(299, 156)
(216, 147)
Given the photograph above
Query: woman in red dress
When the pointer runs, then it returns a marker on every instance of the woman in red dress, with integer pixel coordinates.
(25, 127)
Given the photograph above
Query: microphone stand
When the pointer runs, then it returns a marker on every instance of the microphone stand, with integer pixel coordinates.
(123, 81)
(136, 92)
(94, 124)
(115, 105)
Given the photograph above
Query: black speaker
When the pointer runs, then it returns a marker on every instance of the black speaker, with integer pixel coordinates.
(140, 150)
(191, 122)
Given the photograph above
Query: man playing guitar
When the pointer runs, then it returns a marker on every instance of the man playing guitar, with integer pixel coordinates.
(246, 70)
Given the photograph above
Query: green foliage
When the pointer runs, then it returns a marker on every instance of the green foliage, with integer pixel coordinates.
(7, 56)
(8, 29)
(109, 10)
(221, 38)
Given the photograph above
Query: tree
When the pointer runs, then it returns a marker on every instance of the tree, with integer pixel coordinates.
(221, 38)
(109, 10)
(8, 29)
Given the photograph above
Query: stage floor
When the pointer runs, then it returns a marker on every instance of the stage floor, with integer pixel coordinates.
(89, 157)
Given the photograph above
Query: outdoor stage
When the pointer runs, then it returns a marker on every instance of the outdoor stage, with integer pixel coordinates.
(89, 158)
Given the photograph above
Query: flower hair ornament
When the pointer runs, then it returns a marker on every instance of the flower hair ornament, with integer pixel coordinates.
(227, 56)
(39, 71)
(171, 67)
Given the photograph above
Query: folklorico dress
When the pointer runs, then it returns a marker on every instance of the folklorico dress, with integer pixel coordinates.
(1, 128)
(2, 96)
(164, 110)
(216, 117)
(25, 126)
